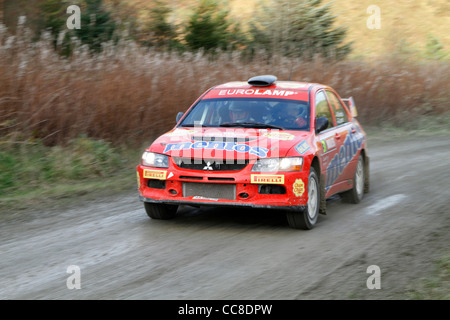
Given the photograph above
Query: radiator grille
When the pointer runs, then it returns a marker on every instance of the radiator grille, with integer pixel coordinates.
(225, 191)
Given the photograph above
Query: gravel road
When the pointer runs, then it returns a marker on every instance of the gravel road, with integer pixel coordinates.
(401, 226)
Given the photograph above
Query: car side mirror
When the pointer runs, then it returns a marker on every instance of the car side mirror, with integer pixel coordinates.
(179, 116)
(321, 124)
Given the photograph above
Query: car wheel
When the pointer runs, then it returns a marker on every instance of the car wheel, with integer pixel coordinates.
(160, 211)
(356, 194)
(307, 218)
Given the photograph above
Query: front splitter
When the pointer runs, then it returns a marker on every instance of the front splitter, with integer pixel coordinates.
(222, 204)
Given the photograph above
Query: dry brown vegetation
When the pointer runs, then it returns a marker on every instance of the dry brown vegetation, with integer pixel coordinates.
(130, 94)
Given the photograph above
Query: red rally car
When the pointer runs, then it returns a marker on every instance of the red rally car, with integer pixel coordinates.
(263, 143)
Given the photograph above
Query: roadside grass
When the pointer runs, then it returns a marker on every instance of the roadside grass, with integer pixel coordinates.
(34, 175)
(434, 287)
(421, 126)
(64, 193)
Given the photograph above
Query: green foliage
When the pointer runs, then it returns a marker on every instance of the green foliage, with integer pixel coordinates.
(436, 286)
(162, 33)
(208, 26)
(53, 12)
(7, 169)
(53, 19)
(434, 49)
(24, 166)
(97, 25)
(299, 28)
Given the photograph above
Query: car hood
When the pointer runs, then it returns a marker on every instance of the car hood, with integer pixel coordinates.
(229, 143)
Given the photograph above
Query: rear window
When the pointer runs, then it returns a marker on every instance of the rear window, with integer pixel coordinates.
(284, 113)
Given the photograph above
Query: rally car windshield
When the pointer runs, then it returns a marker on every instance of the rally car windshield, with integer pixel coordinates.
(250, 113)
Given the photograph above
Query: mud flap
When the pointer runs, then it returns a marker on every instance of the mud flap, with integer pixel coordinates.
(323, 202)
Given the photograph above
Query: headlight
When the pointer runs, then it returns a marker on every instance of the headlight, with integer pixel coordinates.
(275, 164)
(155, 160)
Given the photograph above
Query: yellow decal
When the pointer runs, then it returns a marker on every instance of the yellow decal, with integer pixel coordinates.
(324, 146)
(138, 179)
(267, 179)
(155, 174)
(298, 187)
(279, 135)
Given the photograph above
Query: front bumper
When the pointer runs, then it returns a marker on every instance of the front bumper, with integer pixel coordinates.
(249, 189)
(222, 204)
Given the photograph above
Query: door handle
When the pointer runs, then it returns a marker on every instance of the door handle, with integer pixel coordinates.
(337, 136)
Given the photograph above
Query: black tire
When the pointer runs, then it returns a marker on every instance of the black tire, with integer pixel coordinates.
(307, 219)
(356, 194)
(160, 211)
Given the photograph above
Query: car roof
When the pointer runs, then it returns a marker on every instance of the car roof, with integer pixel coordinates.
(293, 85)
(275, 89)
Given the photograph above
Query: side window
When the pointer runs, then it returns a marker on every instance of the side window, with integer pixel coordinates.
(323, 109)
(338, 109)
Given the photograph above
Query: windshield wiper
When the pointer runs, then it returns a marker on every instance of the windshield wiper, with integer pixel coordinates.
(250, 125)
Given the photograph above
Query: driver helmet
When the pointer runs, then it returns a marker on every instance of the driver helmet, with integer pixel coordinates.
(239, 111)
(296, 112)
(293, 110)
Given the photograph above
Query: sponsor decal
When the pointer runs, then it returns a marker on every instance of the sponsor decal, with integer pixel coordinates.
(331, 143)
(256, 92)
(298, 187)
(347, 151)
(302, 147)
(218, 145)
(328, 144)
(324, 146)
(279, 135)
(155, 174)
(267, 179)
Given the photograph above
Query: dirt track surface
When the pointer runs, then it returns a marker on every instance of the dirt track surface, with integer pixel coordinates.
(402, 226)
